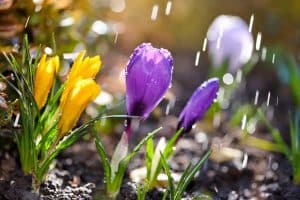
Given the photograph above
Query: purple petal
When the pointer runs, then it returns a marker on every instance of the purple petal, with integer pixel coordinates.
(148, 77)
(229, 39)
(198, 104)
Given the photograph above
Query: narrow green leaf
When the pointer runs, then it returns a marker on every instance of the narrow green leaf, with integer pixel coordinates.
(149, 156)
(169, 148)
(170, 179)
(187, 178)
(104, 159)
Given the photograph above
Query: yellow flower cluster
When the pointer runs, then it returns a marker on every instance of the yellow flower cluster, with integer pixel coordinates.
(44, 78)
(80, 88)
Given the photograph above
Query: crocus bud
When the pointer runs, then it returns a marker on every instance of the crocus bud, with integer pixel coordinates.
(81, 69)
(198, 104)
(44, 77)
(148, 77)
(229, 40)
(80, 95)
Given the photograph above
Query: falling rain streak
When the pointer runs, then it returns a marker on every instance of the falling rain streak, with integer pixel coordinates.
(168, 8)
(273, 58)
(245, 161)
(116, 37)
(268, 99)
(27, 21)
(263, 53)
(238, 77)
(154, 12)
(258, 41)
(197, 58)
(204, 44)
(16, 122)
(244, 120)
(251, 23)
(256, 97)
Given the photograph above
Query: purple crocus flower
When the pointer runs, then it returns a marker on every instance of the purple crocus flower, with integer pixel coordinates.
(229, 40)
(198, 104)
(148, 77)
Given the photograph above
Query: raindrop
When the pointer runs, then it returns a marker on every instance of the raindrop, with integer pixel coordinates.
(256, 97)
(263, 53)
(122, 75)
(68, 21)
(168, 8)
(117, 5)
(3, 86)
(27, 21)
(245, 160)
(38, 8)
(116, 37)
(244, 120)
(48, 51)
(228, 79)
(216, 189)
(194, 126)
(268, 99)
(217, 120)
(273, 58)
(204, 44)
(197, 58)
(251, 125)
(170, 105)
(251, 23)
(154, 12)
(239, 76)
(221, 94)
(201, 137)
(269, 161)
(16, 48)
(100, 27)
(274, 166)
(63, 71)
(16, 123)
(258, 41)
(277, 100)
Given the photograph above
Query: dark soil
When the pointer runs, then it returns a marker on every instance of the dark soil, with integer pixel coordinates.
(78, 175)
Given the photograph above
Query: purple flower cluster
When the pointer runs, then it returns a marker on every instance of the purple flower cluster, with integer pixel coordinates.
(148, 77)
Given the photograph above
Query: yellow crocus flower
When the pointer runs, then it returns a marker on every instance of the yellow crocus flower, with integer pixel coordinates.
(81, 69)
(80, 95)
(44, 78)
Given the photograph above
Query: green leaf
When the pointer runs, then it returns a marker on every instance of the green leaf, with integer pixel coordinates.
(104, 159)
(155, 169)
(149, 155)
(169, 148)
(170, 179)
(67, 141)
(116, 183)
(188, 176)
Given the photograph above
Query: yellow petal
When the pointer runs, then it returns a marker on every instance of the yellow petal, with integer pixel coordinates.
(81, 69)
(44, 77)
(83, 92)
(56, 63)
